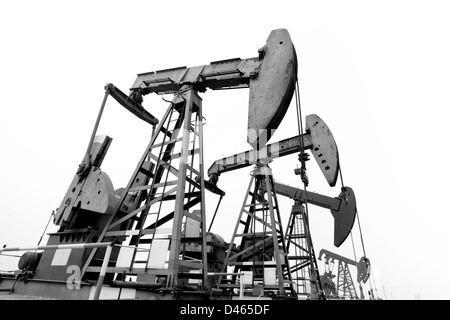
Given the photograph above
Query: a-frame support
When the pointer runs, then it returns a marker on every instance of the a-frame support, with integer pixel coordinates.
(345, 285)
(167, 185)
(261, 255)
(301, 254)
(187, 184)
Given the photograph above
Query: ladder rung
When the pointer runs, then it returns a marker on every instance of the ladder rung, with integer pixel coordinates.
(140, 188)
(164, 164)
(162, 196)
(258, 219)
(167, 183)
(265, 209)
(191, 152)
(166, 142)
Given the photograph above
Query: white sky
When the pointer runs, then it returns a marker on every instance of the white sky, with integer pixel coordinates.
(376, 72)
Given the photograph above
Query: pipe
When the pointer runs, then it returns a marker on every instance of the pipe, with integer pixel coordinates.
(60, 246)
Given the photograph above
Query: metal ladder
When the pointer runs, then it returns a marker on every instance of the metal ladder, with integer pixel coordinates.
(156, 181)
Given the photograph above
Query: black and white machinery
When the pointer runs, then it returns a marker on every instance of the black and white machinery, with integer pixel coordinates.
(149, 239)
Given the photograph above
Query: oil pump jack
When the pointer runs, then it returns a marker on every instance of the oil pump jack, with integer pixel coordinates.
(153, 230)
(345, 287)
(269, 245)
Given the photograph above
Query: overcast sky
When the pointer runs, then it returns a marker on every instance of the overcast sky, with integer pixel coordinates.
(377, 72)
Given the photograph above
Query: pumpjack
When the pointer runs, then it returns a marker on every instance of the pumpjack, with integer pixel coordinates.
(345, 287)
(149, 240)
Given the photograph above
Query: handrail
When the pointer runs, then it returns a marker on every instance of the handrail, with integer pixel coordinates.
(107, 245)
(59, 246)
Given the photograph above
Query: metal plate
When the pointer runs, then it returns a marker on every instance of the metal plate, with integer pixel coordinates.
(272, 90)
(344, 218)
(324, 148)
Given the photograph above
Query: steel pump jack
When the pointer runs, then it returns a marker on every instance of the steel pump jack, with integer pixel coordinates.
(345, 286)
(295, 246)
(156, 223)
(168, 183)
